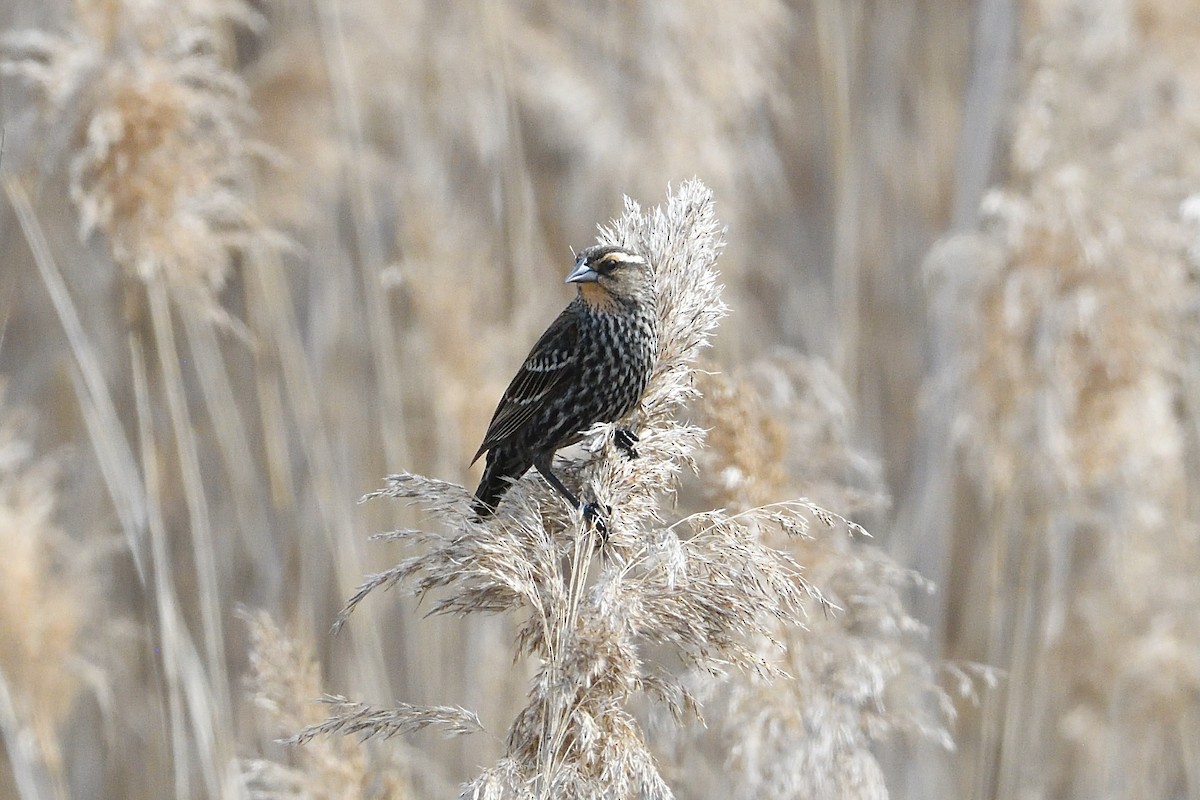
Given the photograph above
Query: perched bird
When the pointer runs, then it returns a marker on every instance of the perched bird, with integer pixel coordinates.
(591, 365)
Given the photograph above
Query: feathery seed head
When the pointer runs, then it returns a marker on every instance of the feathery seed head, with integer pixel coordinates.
(163, 164)
(44, 604)
(705, 590)
(285, 684)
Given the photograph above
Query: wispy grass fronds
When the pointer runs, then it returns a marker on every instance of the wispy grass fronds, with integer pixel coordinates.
(855, 672)
(285, 685)
(162, 160)
(44, 602)
(591, 607)
(1074, 308)
(402, 719)
(158, 166)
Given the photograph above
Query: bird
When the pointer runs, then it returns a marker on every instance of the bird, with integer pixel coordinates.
(591, 365)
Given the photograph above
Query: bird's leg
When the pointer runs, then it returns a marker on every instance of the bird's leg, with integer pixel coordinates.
(625, 439)
(544, 468)
(591, 511)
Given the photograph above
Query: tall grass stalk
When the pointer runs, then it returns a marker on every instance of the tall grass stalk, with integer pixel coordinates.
(836, 22)
(200, 526)
(232, 435)
(187, 689)
(113, 452)
(368, 235)
(300, 406)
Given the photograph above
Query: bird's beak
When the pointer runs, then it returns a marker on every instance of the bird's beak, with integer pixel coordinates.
(583, 273)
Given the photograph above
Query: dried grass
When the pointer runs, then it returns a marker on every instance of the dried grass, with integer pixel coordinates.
(44, 609)
(590, 608)
(1075, 308)
(285, 683)
(856, 671)
(434, 161)
(158, 166)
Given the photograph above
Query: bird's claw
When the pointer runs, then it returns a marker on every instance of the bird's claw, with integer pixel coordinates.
(595, 519)
(624, 439)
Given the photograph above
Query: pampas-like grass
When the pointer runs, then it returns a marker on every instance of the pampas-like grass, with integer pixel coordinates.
(706, 587)
(856, 675)
(158, 169)
(162, 167)
(1073, 314)
(43, 608)
(284, 679)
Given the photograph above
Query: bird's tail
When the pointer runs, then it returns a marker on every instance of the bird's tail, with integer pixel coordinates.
(503, 467)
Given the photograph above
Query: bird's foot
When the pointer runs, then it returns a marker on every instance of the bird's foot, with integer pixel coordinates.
(595, 519)
(625, 439)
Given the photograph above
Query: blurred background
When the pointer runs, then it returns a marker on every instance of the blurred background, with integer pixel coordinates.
(259, 254)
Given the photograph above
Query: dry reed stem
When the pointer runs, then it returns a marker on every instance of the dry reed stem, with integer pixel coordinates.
(192, 708)
(112, 449)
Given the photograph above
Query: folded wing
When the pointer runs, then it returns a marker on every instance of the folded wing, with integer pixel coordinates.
(551, 363)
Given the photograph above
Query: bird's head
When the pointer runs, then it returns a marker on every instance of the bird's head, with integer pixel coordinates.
(609, 276)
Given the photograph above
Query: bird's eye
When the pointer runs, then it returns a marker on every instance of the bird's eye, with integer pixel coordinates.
(611, 261)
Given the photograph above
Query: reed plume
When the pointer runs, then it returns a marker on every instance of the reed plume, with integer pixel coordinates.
(856, 673)
(43, 610)
(163, 161)
(284, 683)
(705, 586)
(1073, 313)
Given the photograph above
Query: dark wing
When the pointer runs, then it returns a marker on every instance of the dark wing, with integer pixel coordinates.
(553, 361)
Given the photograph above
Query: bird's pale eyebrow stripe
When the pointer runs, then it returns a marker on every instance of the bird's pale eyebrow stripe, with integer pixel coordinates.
(622, 258)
